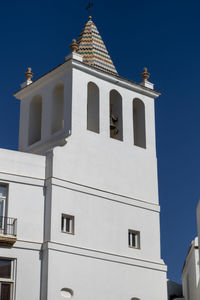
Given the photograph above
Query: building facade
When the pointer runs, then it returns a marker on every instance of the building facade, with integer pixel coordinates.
(79, 200)
(191, 268)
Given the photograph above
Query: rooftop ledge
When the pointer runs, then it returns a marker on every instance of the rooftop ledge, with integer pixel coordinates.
(76, 63)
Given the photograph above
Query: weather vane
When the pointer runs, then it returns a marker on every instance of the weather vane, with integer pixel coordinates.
(89, 8)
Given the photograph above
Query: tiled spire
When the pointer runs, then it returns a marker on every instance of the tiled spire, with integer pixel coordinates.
(93, 49)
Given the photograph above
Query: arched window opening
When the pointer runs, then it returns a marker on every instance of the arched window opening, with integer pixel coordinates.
(139, 123)
(116, 124)
(57, 116)
(134, 298)
(93, 107)
(35, 120)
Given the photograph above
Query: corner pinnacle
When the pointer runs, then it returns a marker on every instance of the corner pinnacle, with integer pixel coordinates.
(145, 75)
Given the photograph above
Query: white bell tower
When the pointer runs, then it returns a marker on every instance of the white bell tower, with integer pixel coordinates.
(97, 130)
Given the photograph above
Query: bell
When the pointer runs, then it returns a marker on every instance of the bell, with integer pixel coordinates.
(113, 127)
(113, 119)
(112, 124)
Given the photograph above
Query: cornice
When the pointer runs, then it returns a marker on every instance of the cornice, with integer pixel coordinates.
(43, 80)
(116, 79)
(106, 256)
(73, 63)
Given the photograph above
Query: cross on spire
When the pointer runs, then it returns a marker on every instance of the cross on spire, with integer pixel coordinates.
(89, 8)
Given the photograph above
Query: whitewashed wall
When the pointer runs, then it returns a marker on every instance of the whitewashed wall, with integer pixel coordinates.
(190, 275)
(109, 186)
(101, 278)
(24, 175)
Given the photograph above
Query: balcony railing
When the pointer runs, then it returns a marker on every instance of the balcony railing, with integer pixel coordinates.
(8, 230)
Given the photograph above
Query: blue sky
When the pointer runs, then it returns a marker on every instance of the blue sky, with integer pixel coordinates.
(164, 36)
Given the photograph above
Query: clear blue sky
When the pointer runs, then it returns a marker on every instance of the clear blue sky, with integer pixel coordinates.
(162, 35)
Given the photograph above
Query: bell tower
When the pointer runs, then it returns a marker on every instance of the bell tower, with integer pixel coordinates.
(97, 130)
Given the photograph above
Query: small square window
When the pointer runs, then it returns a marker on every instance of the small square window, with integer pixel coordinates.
(67, 224)
(134, 239)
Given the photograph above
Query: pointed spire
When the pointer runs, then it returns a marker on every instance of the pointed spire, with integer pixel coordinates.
(93, 49)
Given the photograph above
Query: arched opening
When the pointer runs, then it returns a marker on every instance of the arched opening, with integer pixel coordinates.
(134, 298)
(57, 115)
(93, 107)
(139, 123)
(35, 120)
(116, 123)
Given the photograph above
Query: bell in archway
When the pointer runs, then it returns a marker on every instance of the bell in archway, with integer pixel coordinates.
(113, 123)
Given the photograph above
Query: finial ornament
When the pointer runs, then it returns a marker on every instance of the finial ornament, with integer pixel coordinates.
(145, 75)
(89, 8)
(74, 46)
(29, 75)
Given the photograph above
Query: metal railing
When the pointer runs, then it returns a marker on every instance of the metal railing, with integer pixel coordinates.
(8, 226)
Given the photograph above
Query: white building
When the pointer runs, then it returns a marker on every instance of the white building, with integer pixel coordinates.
(191, 268)
(79, 200)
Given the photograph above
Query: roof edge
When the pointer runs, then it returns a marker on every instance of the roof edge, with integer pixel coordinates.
(122, 81)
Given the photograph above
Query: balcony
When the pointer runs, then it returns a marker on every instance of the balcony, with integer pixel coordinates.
(8, 231)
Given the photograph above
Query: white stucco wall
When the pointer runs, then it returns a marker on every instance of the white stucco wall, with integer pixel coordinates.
(24, 176)
(45, 90)
(130, 170)
(191, 269)
(22, 164)
(27, 269)
(103, 279)
(190, 275)
(102, 223)
(109, 186)
(129, 166)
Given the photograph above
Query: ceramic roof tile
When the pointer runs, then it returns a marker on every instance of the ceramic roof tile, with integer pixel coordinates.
(93, 49)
